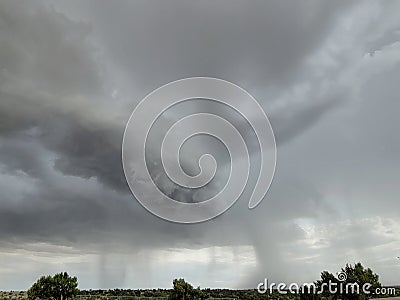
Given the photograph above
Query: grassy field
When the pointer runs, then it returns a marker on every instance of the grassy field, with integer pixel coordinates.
(19, 295)
(162, 294)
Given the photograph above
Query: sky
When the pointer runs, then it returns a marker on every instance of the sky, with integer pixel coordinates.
(71, 72)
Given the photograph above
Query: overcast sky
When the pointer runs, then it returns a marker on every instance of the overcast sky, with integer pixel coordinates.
(327, 74)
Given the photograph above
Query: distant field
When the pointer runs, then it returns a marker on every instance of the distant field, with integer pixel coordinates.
(158, 294)
(13, 295)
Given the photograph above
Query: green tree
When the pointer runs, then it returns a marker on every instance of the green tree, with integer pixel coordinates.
(359, 274)
(353, 279)
(183, 290)
(323, 285)
(58, 287)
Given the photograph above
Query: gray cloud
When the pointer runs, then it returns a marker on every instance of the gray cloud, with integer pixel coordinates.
(70, 75)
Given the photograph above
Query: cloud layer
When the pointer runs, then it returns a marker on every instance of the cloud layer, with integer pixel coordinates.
(70, 74)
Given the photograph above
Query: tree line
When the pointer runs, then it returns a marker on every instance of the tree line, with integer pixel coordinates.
(62, 286)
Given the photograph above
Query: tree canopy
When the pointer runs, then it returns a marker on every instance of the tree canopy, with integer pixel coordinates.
(349, 276)
(183, 290)
(61, 286)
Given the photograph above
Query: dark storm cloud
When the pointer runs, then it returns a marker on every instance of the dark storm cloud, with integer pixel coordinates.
(46, 88)
(51, 86)
(57, 89)
(263, 43)
(70, 76)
